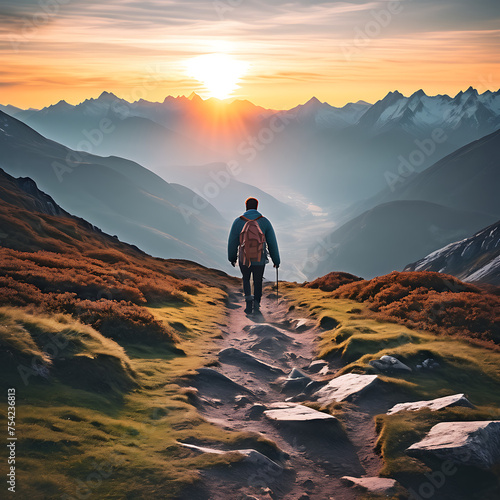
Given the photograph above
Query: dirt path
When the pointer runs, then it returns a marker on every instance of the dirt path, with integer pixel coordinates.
(312, 456)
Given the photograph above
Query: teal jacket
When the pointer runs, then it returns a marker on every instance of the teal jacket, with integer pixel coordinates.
(266, 227)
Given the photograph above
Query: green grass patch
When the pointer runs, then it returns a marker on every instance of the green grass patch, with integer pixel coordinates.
(84, 432)
(464, 368)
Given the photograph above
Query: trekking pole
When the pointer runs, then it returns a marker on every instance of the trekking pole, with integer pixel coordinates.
(277, 292)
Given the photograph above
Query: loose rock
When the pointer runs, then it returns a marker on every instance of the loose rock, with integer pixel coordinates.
(233, 355)
(317, 365)
(251, 456)
(256, 411)
(377, 485)
(389, 364)
(296, 380)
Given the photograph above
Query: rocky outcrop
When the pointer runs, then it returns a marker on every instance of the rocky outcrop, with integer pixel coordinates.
(468, 443)
(345, 387)
(433, 404)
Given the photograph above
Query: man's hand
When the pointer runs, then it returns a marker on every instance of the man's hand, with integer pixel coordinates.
(276, 266)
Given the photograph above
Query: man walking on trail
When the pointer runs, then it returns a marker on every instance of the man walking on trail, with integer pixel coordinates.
(250, 235)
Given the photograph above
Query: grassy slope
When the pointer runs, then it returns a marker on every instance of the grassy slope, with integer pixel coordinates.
(97, 338)
(465, 367)
(116, 440)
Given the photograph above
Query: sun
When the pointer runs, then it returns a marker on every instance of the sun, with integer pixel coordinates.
(219, 73)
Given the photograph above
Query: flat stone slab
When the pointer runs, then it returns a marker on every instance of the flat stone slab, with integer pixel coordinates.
(233, 355)
(251, 456)
(378, 485)
(293, 412)
(433, 404)
(469, 443)
(345, 387)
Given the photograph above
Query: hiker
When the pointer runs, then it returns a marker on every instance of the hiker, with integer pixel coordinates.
(247, 243)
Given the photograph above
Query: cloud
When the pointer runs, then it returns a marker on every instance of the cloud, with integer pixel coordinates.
(108, 41)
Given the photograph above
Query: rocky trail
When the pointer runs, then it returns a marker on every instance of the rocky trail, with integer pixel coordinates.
(265, 364)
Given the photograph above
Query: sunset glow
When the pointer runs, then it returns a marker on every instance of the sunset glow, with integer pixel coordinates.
(219, 73)
(276, 55)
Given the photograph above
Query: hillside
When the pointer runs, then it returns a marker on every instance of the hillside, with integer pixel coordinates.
(383, 239)
(140, 377)
(119, 196)
(474, 259)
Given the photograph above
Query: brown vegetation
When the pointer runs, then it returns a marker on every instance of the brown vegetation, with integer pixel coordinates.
(60, 263)
(332, 281)
(431, 301)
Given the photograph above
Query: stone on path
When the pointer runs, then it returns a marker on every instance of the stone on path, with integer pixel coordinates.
(378, 485)
(317, 365)
(265, 330)
(301, 325)
(389, 364)
(433, 404)
(293, 412)
(296, 380)
(233, 355)
(213, 377)
(345, 387)
(256, 411)
(469, 443)
(251, 456)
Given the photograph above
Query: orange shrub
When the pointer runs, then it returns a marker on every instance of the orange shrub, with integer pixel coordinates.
(432, 301)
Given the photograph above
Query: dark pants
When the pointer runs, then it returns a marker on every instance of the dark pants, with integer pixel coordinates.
(258, 274)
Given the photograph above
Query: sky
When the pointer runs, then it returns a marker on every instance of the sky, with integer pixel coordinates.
(285, 51)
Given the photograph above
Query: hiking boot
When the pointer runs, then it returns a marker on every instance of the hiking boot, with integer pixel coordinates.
(249, 307)
(256, 307)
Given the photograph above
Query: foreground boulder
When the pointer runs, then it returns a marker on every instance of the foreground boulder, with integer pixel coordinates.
(377, 485)
(467, 443)
(345, 387)
(293, 413)
(433, 404)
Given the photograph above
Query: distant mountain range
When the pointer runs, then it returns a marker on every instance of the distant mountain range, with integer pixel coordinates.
(119, 196)
(400, 178)
(387, 237)
(333, 156)
(475, 259)
(450, 200)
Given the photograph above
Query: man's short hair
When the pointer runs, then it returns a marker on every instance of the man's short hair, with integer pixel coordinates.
(251, 203)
